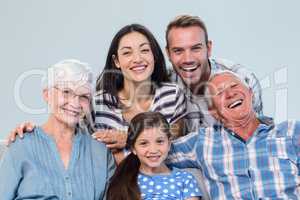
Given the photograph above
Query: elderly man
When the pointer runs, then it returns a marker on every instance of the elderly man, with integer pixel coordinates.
(189, 50)
(244, 156)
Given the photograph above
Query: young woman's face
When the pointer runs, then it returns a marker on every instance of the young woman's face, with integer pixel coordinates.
(152, 147)
(135, 57)
(68, 102)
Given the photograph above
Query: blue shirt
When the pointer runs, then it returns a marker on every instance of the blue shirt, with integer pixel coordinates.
(264, 166)
(178, 185)
(32, 169)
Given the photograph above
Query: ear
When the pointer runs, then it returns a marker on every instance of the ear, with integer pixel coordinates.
(167, 52)
(209, 48)
(46, 94)
(116, 61)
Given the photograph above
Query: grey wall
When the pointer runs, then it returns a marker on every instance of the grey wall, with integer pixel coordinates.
(262, 35)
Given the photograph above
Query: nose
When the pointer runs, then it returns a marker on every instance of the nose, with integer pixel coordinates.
(75, 102)
(153, 149)
(137, 57)
(187, 58)
(229, 93)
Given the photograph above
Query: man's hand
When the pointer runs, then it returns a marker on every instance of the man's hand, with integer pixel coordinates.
(114, 139)
(19, 131)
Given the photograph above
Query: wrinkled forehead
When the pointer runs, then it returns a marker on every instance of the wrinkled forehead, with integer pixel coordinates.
(223, 80)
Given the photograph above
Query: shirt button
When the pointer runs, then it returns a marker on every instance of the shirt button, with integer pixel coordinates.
(67, 178)
(69, 193)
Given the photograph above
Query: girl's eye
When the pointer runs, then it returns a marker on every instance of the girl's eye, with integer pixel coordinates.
(160, 141)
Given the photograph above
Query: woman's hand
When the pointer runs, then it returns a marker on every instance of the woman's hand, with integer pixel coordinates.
(19, 131)
(114, 139)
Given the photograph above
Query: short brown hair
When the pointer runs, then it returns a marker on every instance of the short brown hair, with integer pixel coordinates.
(183, 21)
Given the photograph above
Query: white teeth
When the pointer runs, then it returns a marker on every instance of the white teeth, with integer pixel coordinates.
(189, 68)
(235, 103)
(138, 68)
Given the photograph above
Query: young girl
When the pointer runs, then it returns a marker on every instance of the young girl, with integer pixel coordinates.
(143, 173)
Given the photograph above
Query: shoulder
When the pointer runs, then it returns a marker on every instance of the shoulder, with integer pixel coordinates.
(22, 147)
(183, 175)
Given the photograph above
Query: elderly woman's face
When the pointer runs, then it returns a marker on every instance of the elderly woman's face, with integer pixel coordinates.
(69, 102)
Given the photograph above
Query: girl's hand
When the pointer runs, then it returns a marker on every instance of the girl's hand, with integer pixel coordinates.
(114, 139)
(19, 131)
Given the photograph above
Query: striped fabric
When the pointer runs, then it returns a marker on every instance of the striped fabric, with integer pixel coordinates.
(264, 167)
(168, 100)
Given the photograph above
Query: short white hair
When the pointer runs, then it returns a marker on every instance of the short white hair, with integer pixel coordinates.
(66, 71)
(207, 95)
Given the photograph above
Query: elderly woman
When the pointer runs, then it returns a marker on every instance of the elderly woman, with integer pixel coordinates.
(59, 161)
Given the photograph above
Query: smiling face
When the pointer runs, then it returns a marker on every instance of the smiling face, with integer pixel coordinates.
(68, 103)
(189, 52)
(231, 99)
(151, 147)
(135, 57)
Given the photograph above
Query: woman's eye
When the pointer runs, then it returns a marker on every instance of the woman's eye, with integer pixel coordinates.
(67, 91)
(145, 50)
(126, 53)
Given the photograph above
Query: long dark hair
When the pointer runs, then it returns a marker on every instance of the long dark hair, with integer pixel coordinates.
(111, 79)
(123, 184)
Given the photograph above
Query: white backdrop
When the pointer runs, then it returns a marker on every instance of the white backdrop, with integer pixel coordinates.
(262, 35)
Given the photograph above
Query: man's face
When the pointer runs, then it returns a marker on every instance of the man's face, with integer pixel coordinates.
(189, 53)
(231, 99)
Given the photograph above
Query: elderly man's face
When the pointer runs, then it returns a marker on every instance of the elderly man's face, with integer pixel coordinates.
(232, 100)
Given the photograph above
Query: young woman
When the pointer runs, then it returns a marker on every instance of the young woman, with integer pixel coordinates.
(60, 160)
(143, 175)
(134, 81)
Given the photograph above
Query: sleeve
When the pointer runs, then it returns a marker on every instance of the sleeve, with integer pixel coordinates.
(9, 176)
(183, 152)
(180, 108)
(190, 187)
(296, 142)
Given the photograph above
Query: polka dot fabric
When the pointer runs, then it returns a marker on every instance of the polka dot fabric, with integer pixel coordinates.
(178, 185)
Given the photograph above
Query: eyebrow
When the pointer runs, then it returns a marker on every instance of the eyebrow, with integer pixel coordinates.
(195, 45)
(141, 45)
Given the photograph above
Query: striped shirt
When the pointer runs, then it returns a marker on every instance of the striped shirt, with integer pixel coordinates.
(266, 166)
(198, 115)
(168, 100)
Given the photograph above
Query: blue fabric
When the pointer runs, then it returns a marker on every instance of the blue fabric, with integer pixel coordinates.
(264, 166)
(178, 185)
(32, 169)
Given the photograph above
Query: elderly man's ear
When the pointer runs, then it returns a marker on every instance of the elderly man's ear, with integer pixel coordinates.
(213, 112)
(46, 95)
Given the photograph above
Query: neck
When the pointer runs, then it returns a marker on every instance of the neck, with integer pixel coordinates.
(246, 127)
(199, 88)
(135, 91)
(163, 169)
(58, 130)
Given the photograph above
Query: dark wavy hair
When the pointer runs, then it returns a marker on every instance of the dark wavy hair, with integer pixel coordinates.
(111, 80)
(123, 184)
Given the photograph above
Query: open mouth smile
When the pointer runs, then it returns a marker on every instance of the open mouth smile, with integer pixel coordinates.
(189, 68)
(235, 104)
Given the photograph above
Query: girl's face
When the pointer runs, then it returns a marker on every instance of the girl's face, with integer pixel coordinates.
(135, 57)
(152, 147)
(68, 102)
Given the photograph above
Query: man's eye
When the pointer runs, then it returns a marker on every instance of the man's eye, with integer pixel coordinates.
(198, 48)
(177, 51)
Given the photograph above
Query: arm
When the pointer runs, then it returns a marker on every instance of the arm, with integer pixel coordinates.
(183, 152)
(9, 176)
